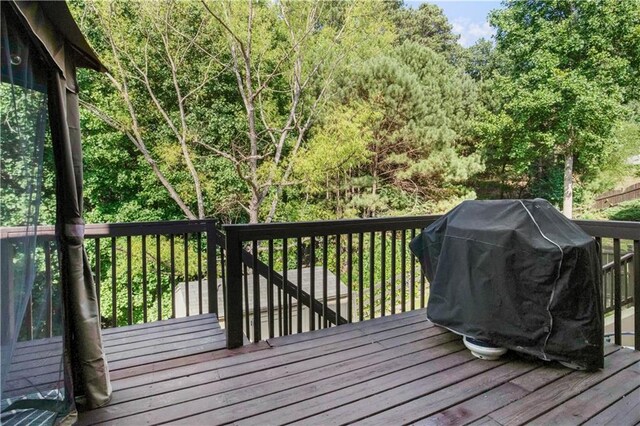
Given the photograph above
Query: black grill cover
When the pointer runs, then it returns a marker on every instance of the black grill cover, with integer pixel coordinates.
(516, 273)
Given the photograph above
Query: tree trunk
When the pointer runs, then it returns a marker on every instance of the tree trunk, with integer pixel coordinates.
(254, 208)
(374, 187)
(567, 204)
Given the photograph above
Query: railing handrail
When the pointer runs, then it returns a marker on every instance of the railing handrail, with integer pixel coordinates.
(622, 230)
(595, 228)
(265, 231)
(97, 230)
(627, 258)
(240, 234)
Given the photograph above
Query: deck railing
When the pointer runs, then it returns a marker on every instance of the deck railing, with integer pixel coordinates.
(308, 275)
(351, 269)
(613, 236)
(145, 271)
(142, 271)
(380, 276)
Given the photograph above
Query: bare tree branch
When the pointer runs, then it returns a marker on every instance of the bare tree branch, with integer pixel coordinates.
(135, 135)
(145, 153)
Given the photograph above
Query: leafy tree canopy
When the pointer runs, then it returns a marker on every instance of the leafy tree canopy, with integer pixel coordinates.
(427, 25)
(565, 70)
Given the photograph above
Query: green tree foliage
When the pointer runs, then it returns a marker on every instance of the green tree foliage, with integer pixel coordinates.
(618, 168)
(285, 58)
(307, 110)
(479, 60)
(629, 210)
(164, 98)
(427, 25)
(565, 68)
(335, 152)
(26, 164)
(420, 151)
(213, 101)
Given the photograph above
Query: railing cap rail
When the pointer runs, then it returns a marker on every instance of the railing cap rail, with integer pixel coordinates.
(264, 231)
(596, 228)
(114, 229)
(611, 229)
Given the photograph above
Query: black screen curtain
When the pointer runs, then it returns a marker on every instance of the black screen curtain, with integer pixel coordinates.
(34, 387)
(89, 364)
(51, 26)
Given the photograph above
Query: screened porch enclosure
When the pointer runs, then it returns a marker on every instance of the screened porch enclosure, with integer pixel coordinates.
(46, 297)
(31, 302)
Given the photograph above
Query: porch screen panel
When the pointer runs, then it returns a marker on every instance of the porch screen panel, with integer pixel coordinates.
(33, 388)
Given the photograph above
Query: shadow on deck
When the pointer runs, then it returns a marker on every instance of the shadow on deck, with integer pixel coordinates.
(393, 370)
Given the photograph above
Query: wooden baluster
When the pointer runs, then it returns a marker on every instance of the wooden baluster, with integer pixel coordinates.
(338, 280)
(372, 270)
(403, 270)
(158, 278)
(114, 307)
(312, 283)
(199, 245)
(285, 296)
(257, 308)
(270, 289)
(325, 256)
(144, 278)
(360, 276)
(299, 286)
(413, 276)
(48, 279)
(172, 255)
(393, 271)
(187, 293)
(349, 277)
(383, 273)
(617, 304)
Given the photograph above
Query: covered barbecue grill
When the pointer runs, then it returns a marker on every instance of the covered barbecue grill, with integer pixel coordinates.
(518, 274)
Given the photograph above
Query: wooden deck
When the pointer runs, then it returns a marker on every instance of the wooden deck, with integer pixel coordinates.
(36, 363)
(393, 370)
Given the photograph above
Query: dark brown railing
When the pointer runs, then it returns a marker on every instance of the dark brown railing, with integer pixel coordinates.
(307, 275)
(352, 269)
(609, 277)
(614, 235)
(139, 270)
(143, 272)
(371, 257)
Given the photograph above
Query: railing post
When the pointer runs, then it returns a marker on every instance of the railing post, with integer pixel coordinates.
(212, 267)
(233, 308)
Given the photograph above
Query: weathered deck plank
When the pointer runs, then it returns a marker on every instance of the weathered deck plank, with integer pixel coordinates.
(587, 404)
(399, 369)
(279, 372)
(556, 393)
(322, 340)
(624, 412)
(36, 363)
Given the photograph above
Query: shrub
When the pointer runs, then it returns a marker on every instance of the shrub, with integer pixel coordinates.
(629, 210)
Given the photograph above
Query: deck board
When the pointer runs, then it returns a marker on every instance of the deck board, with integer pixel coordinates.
(540, 401)
(626, 411)
(36, 363)
(398, 369)
(245, 379)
